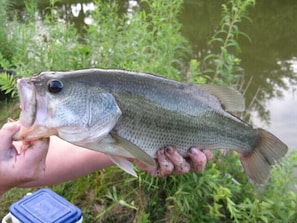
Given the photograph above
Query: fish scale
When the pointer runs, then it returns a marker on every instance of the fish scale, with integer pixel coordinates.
(150, 132)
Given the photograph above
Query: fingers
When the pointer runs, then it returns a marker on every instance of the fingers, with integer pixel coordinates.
(180, 164)
(198, 159)
(166, 166)
(171, 162)
(6, 133)
(208, 153)
(25, 166)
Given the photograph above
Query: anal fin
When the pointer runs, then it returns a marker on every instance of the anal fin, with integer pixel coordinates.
(124, 164)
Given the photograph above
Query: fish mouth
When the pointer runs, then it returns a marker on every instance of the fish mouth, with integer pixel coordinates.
(27, 102)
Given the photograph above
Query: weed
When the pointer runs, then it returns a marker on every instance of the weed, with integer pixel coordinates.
(222, 65)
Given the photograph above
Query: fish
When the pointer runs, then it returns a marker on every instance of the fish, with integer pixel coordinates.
(128, 114)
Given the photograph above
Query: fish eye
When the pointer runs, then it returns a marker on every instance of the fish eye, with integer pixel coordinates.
(55, 86)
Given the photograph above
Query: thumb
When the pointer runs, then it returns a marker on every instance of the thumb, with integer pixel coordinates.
(7, 132)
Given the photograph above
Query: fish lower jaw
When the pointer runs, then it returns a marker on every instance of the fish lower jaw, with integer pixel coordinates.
(28, 103)
(33, 133)
(26, 119)
(21, 134)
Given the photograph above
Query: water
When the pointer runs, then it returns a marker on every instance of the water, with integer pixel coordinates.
(269, 60)
(283, 117)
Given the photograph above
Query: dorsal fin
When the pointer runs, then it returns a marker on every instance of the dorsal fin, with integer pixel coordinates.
(231, 99)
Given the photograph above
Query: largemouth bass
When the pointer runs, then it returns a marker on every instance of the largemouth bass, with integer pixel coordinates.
(131, 115)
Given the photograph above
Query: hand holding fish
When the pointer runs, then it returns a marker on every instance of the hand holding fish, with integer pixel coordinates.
(169, 161)
(18, 167)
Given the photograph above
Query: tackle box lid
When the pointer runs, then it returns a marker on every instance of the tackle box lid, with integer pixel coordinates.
(45, 206)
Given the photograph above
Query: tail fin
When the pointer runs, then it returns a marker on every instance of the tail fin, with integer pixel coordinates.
(268, 150)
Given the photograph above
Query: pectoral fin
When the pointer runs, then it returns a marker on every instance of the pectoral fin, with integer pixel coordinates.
(124, 164)
(134, 150)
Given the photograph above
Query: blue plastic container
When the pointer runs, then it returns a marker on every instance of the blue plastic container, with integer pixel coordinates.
(44, 206)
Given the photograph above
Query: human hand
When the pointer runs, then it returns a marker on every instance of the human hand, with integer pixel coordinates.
(20, 162)
(169, 161)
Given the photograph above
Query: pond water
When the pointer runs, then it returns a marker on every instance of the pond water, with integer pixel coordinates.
(269, 59)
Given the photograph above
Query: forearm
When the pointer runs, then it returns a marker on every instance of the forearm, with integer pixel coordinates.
(65, 162)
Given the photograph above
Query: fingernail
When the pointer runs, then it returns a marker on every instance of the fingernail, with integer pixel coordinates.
(169, 149)
(161, 151)
(193, 150)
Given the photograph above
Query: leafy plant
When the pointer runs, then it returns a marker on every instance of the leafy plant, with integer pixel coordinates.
(7, 81)
(6, 47)
(147, 40)
(7, 84)
(222, 66)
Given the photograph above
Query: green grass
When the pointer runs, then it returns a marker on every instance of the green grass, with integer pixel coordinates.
(220, 194)
(149, 41)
